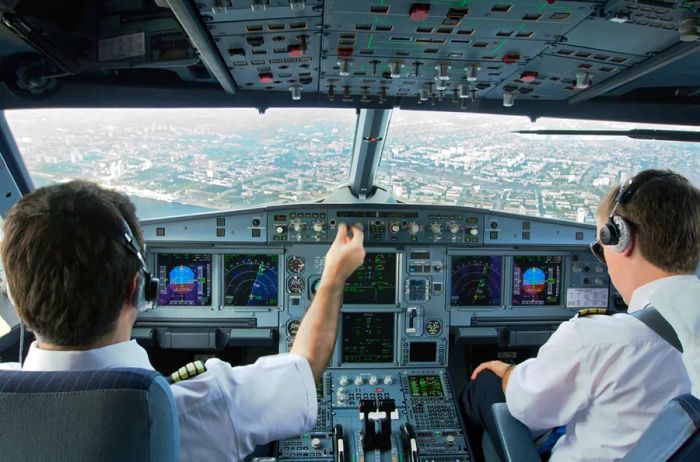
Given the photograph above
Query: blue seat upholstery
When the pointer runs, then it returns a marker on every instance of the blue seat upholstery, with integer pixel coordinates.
(106, 415)
(673, 435)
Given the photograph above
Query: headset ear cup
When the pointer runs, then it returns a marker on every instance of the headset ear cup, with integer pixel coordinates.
(624, 234)
(609, 234)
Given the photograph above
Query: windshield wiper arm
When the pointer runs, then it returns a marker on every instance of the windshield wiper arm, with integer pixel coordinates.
(637, 134)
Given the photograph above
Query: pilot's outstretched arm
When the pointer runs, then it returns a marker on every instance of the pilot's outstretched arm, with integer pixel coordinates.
(227, 411)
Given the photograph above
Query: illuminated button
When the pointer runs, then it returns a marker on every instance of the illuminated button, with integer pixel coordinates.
(358, 381)
(373, 380)
(316, 443)
(394, 228)
(279, 230)
(344, 381)
(473, 231)
(388, 380)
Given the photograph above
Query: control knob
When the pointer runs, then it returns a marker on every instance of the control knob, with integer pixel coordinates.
(449, 439)
(436, 228)
(373, 380)
(358, 381)
(454, 228)
(344, 381)
(394, 227)
(298, 226)
(318, 226)
(473, 231)
(388, 380)
(279, 229)
(315, 443)
(413, 228)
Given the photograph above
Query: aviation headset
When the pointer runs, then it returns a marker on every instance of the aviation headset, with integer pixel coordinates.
(147, 289)
(617, 232)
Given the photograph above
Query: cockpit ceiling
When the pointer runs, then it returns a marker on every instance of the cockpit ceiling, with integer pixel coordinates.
(545, 57)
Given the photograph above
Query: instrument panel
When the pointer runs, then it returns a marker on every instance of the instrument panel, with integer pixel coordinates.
(432, 278)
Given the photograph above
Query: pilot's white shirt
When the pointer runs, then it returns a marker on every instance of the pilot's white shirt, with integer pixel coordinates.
(604, 377)
(223, 413)
(679, 304)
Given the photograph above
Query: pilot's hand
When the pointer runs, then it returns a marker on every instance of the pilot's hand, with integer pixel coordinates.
(344, 257)
(497, 367)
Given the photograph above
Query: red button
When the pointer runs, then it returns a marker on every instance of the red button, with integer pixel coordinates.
(266, 77)
(528, 76)
(295, 51)
(419, 11)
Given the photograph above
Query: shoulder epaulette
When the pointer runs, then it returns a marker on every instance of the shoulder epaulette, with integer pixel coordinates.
(591, 311)
(187, 372)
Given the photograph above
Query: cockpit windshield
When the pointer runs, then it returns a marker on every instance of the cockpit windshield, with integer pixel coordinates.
(181, 161)
(476, 160)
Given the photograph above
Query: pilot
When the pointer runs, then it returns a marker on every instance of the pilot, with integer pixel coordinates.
(604, 378)
(79, 289)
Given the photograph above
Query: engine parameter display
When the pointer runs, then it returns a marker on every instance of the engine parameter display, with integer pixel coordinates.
(373, 283)
(185, 279)
(368, 338)
(251, 280)
(537, 280)
(476, 280)
(425, 385)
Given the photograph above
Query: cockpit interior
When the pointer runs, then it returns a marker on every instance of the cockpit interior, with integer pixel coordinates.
(472, 270)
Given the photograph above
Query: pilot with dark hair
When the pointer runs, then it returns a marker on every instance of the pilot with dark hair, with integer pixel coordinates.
(77, 286)
(604, 378)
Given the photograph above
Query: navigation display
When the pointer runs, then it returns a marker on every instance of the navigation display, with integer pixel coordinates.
(373, 283)
(476, 280)
(368, 338)
(425, 385)
(537, 280)
(185, 279)
(251, 280)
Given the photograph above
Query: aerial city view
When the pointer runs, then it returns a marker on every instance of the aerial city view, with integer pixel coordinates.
(181, 161)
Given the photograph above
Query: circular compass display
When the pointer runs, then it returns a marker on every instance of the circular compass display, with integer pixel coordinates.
(296, 265)
(295, 285)
(251, 280)
(433, 327)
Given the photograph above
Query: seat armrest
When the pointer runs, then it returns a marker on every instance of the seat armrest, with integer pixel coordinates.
(514, 436)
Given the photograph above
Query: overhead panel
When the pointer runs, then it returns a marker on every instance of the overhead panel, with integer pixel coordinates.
(273, 48)
(367, 44)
